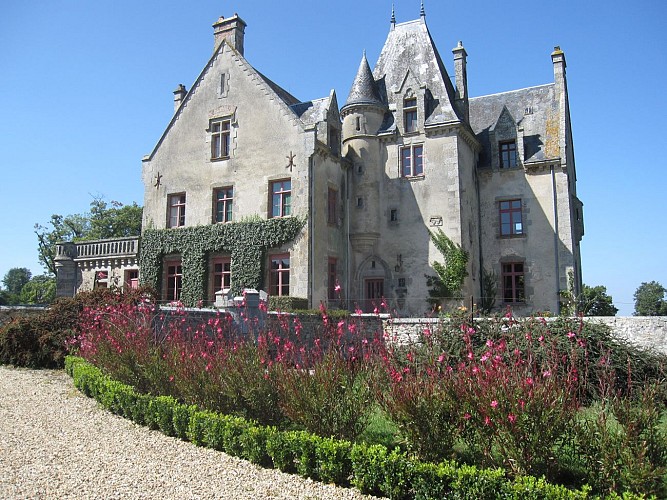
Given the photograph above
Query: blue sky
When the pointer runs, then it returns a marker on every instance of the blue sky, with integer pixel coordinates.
(88, 91)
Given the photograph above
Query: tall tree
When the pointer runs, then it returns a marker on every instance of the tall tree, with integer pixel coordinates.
(15, 279)
(650, 300)
(103, 221)
(39, 290)
(594, 301)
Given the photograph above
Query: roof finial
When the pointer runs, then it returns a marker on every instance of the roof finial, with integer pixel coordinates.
(422, 12)
(393, 15)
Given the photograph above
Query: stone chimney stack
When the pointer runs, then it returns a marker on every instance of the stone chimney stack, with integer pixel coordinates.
(179, 95)
(460, 55)
(232, 30)
(558, 59)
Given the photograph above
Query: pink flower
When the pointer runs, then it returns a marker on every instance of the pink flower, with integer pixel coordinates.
(487, 420)
(546, 373)
(427, 332)
(511, 417)
(494, 403)
(489, 343)
(467, 416)
(571, 335)
(441, 358)
(337, 288)
(529, 381)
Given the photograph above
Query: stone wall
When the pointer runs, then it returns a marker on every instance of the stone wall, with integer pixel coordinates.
(644, 331)
(9, 313)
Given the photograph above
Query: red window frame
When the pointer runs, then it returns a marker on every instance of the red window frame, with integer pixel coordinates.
(507, 151)
(221, 274)
(412, 161)
(223, 203)
(279, 278)
(176, 210)
(220, 138)
(410, 114)
(511, 217)
(173, 279)
(132, 278)
(514, 283)
(281, 198)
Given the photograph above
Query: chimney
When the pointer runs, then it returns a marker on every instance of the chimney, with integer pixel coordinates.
(232, 30)
(460, 55)
(558, 59)
(179, 95)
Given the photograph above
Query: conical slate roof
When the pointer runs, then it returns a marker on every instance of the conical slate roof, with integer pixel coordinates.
(364, 89)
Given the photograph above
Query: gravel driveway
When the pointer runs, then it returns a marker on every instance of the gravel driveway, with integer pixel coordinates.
(57, 443)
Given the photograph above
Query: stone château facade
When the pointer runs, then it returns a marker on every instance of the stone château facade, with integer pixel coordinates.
(407, 153)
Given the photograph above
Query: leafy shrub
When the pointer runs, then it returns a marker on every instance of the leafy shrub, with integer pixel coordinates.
(42, 341)
(287, 303)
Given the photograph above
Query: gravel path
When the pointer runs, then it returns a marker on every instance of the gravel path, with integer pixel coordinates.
(57, 443)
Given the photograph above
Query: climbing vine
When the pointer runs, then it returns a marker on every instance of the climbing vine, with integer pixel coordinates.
(246, 241)
(450, 275)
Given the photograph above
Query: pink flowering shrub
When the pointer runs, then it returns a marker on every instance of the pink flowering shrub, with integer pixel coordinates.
(497, 399)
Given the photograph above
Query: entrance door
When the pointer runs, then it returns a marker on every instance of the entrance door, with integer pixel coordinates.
(374, 292)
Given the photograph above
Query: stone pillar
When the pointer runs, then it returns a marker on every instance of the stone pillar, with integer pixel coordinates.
(65, 269)
(461, 74)
(179, 95)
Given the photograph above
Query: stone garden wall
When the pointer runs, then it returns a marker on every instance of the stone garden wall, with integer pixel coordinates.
(9, 313)
(644, 331)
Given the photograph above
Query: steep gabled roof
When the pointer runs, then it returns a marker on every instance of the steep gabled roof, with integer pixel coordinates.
(315, 111)
(535, 110)
(409, 47)
(277, 93)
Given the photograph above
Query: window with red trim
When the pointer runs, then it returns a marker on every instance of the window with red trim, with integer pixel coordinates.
(511, 219)
(279, 274)
(224, 198)
(174, 279)
(281, 198)
(514, 289)
(176, 210)
(412, 161)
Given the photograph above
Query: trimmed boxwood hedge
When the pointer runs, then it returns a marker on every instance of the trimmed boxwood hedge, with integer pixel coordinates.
(372, 469)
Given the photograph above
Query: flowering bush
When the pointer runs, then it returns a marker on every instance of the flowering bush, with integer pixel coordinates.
(497, 393)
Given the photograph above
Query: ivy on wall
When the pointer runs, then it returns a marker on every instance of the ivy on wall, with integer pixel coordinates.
(246, 241)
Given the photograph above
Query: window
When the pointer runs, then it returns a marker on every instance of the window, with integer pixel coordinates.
(360, 202)
(513, 282)
(393, 215)
(333, 279)
(281, 198)
(412, 161)
(332, 206)
(374, 293)
(132, 279)
(176, 210)
(220, 134)
(223, 204)
(174, 275)
(222, 274)
(508, 154)
(279, 279)
(410, 115)
(511, 221)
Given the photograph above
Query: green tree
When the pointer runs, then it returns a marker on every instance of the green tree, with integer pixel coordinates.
(103, 221)
(650, 300)
(594, 301)
(450, 275)
(39, 290)
(15, 279)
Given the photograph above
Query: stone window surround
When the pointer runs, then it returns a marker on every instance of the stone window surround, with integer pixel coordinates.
(220, 130)
(512, 261)
(171, 271)
(283, 195)
(411, 147)
(277, 275)
(513, 211)
(508, 154)
(176, 209)
(225, 273)
(227, 200)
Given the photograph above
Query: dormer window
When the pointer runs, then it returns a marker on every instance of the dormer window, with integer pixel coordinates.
(220, 135)
(508, 154)
(410, 114)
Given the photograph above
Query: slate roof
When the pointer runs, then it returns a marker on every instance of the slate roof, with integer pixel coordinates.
(534, 109)
(312, 112)
(364, 88)
(409, 47)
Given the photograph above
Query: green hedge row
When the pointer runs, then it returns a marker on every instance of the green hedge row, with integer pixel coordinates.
(373, 469)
